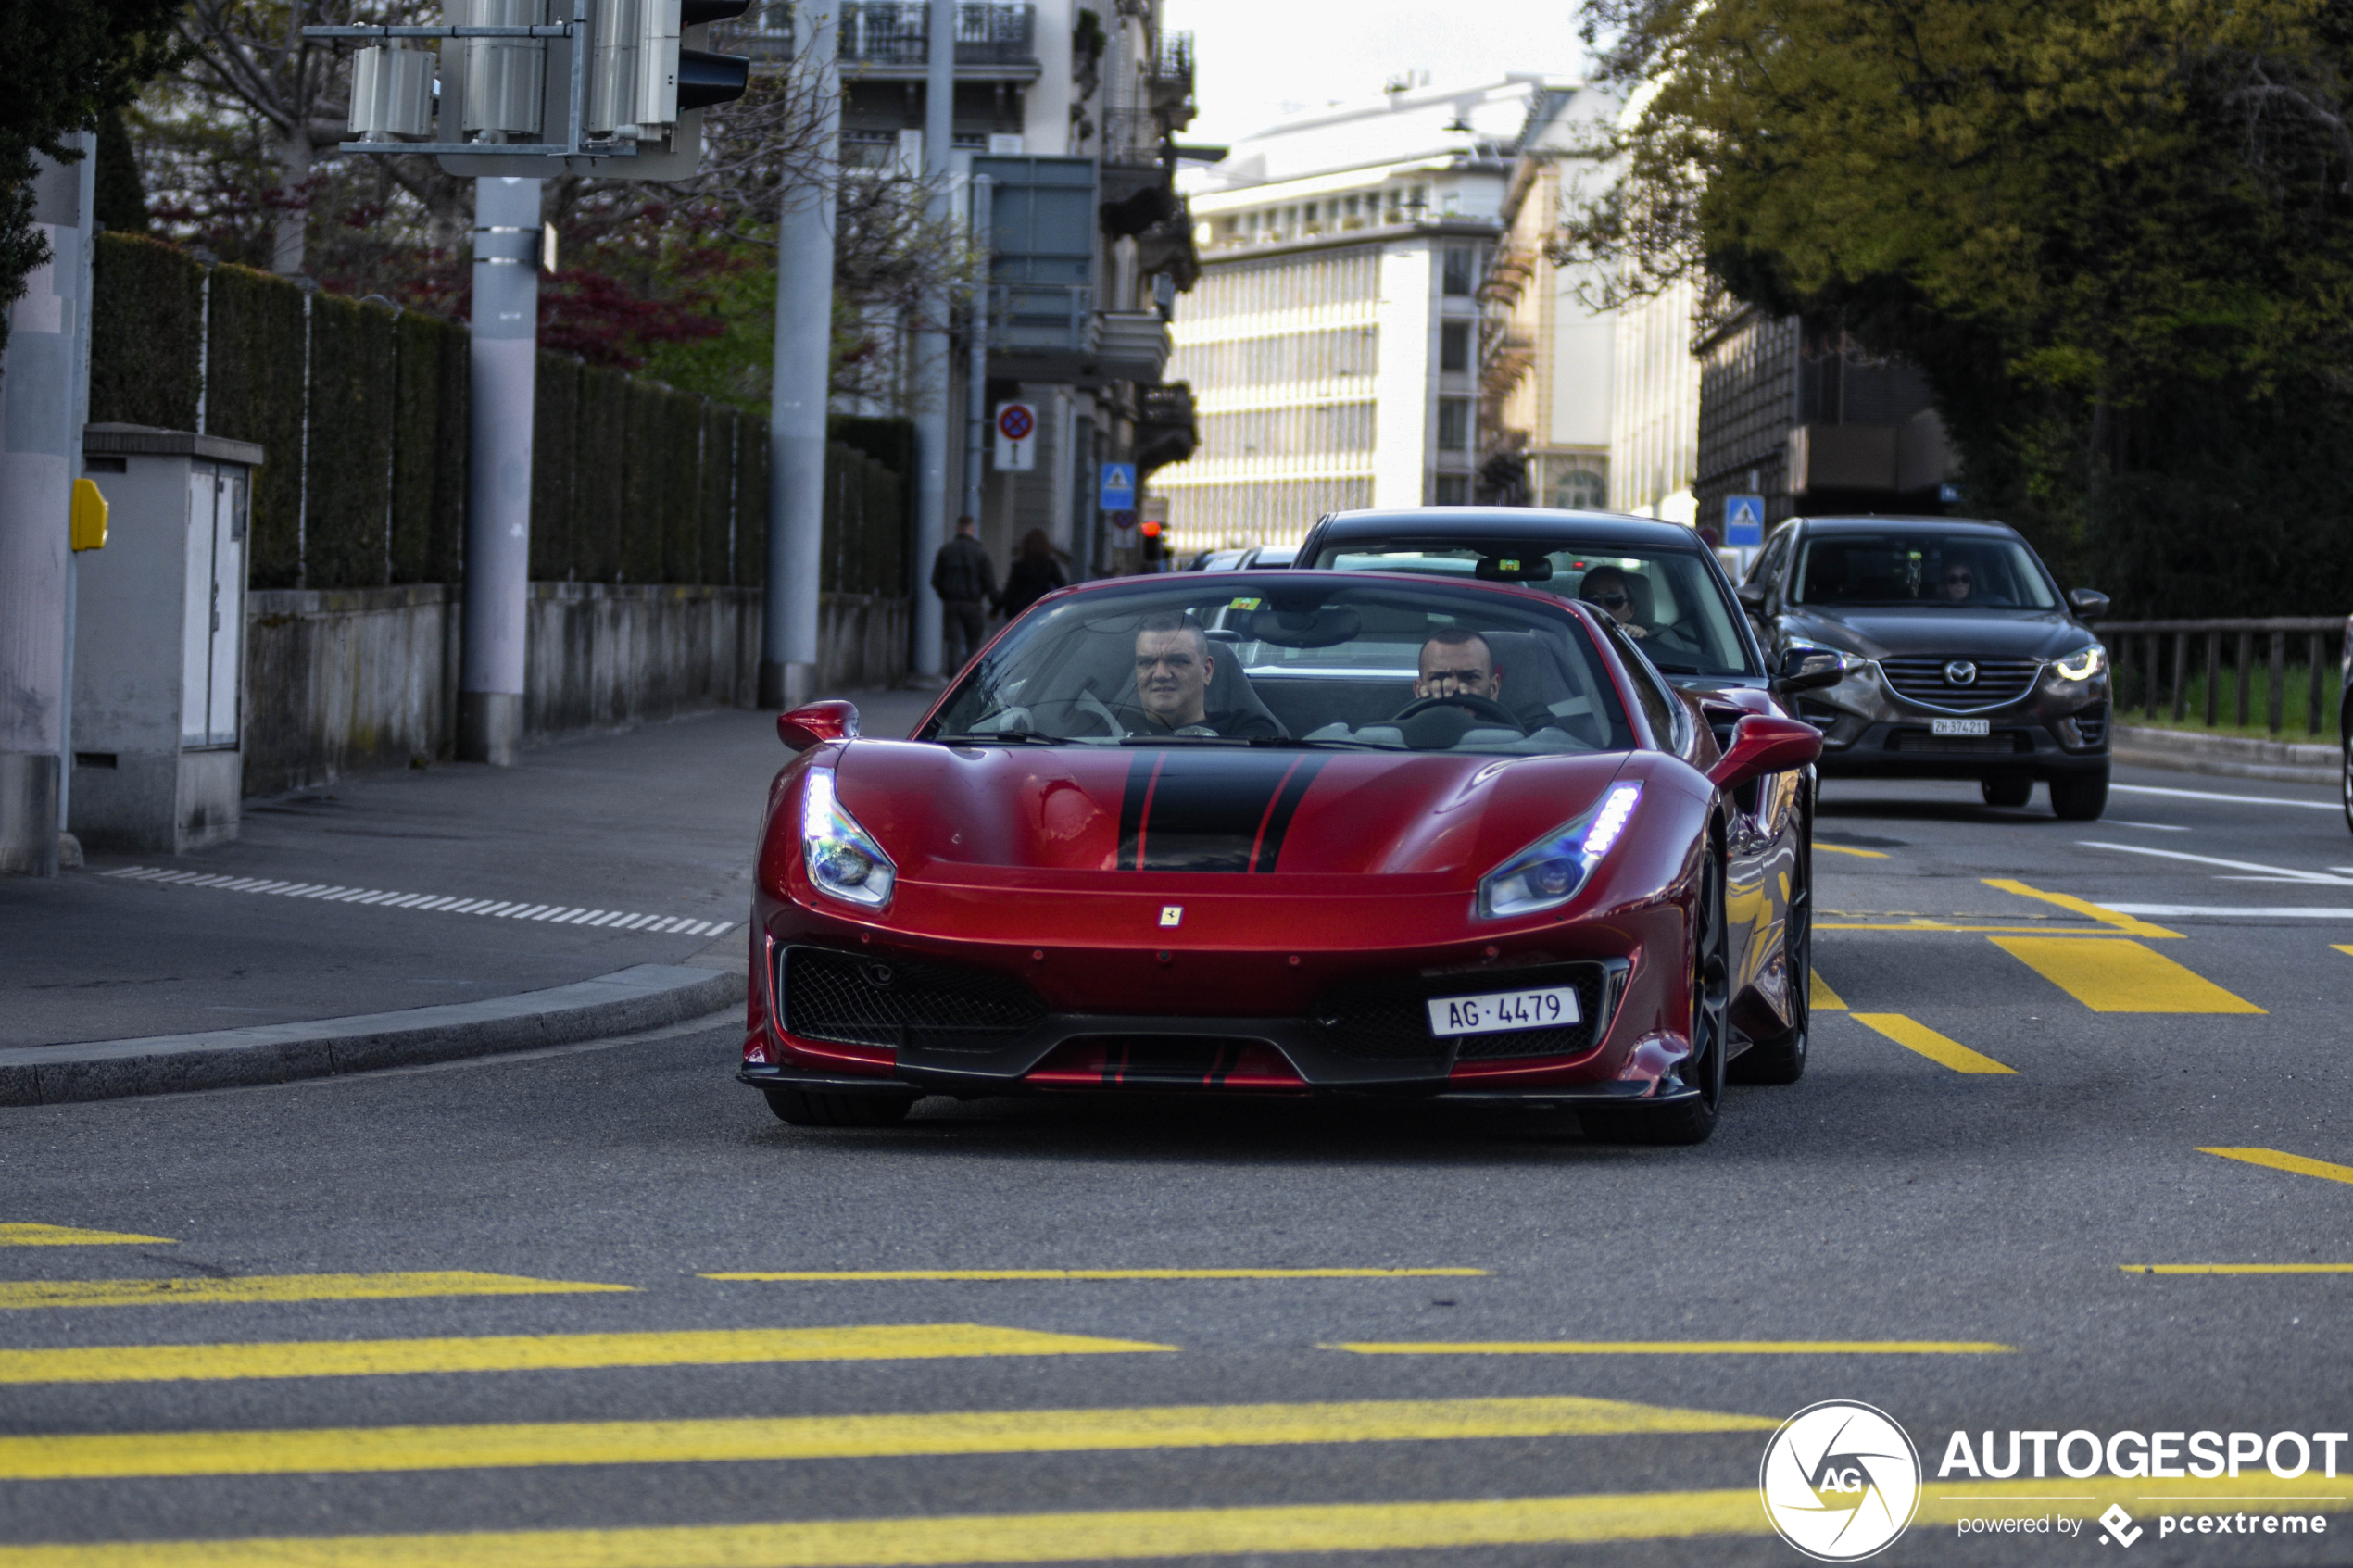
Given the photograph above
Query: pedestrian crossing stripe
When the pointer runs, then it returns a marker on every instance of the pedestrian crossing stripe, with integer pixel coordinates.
(548, 1352)
(115, 1456)
(2113, 976)
(1914, 1035)
(1130, 1535)
(24, 1294)
(22, 1234)
(389, 899)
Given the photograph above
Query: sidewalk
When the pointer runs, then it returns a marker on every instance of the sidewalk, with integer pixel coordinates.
(453, 884)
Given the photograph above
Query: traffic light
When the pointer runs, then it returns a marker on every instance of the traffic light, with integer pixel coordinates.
(645, 76)
(1149, 530)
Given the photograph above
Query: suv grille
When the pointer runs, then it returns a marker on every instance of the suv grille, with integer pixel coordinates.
(1999, 681)
(860, 1000)
(1391, 1022)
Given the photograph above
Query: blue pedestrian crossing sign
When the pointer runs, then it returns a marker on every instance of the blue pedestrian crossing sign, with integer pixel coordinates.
(1119, 487)
(1744, 520)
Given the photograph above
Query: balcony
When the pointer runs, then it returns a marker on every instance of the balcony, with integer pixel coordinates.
(1131, 346)
(889, 40)
(1168, 81)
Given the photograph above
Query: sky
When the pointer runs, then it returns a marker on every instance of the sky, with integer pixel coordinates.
(1255, 59)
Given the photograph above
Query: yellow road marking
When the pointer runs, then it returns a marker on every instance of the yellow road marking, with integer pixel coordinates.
(1820, 996)
(68, 1236)
(1679, 1348)
(1921, 923)
(2131, 925)
(281, 1287)
(1060, 1275)
(2239, 1268)
(1914, 1035)
(2293, 1162)
(353, 1450)
(1129, 1534)
(548, 1352)
(2114, 975)
(1844, 849)
(2343, 946)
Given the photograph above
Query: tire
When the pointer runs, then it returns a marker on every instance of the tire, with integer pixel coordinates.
(1781, 1060)
(803, 1107)
(2007, 789)
(2080, 797)
(2345, 726)
(1687, 1120)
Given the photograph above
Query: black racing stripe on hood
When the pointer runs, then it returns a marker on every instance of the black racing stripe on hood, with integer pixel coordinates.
(1210, 809)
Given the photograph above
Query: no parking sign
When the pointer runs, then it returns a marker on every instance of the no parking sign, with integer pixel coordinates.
(1016, 437)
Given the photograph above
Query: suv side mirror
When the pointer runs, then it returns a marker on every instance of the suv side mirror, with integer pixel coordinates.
(2090, 604)
(1752, 596)
(1762, 745)
(817, 723)
(1805, 669)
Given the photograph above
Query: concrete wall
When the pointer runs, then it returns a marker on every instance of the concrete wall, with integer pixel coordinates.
(348, 682)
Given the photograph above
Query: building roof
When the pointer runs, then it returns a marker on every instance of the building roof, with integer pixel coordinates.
(1479, 122)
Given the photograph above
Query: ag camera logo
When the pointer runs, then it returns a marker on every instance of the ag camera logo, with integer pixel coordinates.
(1840, 1481)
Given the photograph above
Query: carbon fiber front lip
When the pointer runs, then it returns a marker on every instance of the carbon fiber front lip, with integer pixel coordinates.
(1616, 1091)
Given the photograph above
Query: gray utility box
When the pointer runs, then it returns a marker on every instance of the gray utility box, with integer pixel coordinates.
(159, 643)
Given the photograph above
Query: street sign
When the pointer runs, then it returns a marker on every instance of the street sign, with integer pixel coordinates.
(1016, 437)
(1743, 520)
(1119, 487)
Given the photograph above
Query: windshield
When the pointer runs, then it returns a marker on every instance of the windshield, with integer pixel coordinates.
(1924, 570)
(1270, 660)
(1667, 601)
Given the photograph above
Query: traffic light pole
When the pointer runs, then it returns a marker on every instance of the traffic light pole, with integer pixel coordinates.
(789, 636)
(933, 371)
(501, 398)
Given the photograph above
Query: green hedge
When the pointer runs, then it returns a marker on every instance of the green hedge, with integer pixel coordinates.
(361, 414)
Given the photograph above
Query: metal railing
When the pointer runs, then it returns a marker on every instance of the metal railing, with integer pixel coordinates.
(2147, 679)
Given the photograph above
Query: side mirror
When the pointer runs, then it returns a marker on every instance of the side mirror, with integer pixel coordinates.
(1762, 745)
(1752, 596)
(817, 723)
(1805, 669)
(2090, 604)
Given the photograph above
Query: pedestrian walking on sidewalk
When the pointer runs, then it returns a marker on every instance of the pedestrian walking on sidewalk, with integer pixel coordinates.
(1034, 574)
(966, 584)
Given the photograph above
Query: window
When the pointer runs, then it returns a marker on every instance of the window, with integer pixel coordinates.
(1454, 424)
(1456, 273)
(1454, 490)
(1578, 490)
(1454, 346)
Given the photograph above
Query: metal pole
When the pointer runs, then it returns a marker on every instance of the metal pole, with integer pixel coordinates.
(788, 635)
(976, 399)
(500, 401)
(932, 368)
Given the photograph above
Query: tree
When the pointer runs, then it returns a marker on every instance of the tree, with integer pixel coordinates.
(61, 68)
(2116, 235)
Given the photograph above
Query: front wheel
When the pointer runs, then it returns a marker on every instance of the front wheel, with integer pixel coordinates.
(2346, 723)
(2080, 797)
(805, 1107)
(1781, 1060)
(1691, 1120)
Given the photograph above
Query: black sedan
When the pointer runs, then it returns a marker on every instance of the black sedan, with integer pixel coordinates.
(1966, 660)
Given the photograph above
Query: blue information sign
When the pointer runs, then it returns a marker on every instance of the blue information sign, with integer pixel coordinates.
(1743, 520)
(1119, 487)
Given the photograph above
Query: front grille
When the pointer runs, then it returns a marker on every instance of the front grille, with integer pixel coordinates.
(2001, 743)
(1923, 680)
(858, 1000)
(1389, 1020)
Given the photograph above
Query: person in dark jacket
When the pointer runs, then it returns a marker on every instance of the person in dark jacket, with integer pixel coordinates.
(966, 583)
(1034, 574)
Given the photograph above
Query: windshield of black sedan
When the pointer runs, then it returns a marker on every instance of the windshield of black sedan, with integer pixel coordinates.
(1925, 571)
(1259, 659)
(1667, 601)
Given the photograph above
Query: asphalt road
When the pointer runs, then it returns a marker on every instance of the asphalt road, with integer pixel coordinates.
(1988, 1220)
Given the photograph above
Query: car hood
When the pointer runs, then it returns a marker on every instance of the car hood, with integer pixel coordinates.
(985, 813)
(1876, 631)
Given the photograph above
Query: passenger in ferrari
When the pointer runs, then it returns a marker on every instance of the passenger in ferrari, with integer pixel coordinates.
(1173, 668)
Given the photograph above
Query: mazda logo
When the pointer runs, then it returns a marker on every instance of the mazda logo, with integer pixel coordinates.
(1961, 673)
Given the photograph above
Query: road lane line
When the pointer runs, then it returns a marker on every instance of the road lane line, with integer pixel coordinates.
(545, 1352)
(24, 1233)
(1819, 995)
(1923, 924)
(1846, 849)
(2185, 911)
(1916, 1037)
(2102, 913)
(2270, 874)
(1676, 1347)
(2116, 975)
(1004, 1276)
(16, 1295)
(2279, 1161)
(352, 1450)
(2236, 1268)
(2233, 799)
(2345, 947)
(668, 925)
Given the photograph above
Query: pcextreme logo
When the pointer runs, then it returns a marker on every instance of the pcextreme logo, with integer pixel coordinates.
(1839, 1480)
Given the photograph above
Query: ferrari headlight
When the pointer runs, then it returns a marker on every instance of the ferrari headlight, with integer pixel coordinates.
(843, 860)
(1549, 871)
(2081, 665)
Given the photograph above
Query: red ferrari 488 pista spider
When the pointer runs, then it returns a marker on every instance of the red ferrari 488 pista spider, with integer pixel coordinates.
(1290, 832)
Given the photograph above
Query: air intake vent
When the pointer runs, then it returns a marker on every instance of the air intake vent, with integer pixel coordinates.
(861, 999)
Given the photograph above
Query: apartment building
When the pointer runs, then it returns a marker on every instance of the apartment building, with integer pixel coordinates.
(1653, 427)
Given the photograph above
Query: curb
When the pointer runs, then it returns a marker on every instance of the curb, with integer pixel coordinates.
(2228, 756)
(642, 996)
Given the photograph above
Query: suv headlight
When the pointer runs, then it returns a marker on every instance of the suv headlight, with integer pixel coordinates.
(2081, 665)
(843, 859)
(1549, 872)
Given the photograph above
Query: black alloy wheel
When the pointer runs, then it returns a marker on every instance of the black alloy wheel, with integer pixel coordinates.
(2345, 726)
(805, 1108)
(1781, 1060)
(1688, 1121)
(2006, 789)
(2080, 797)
